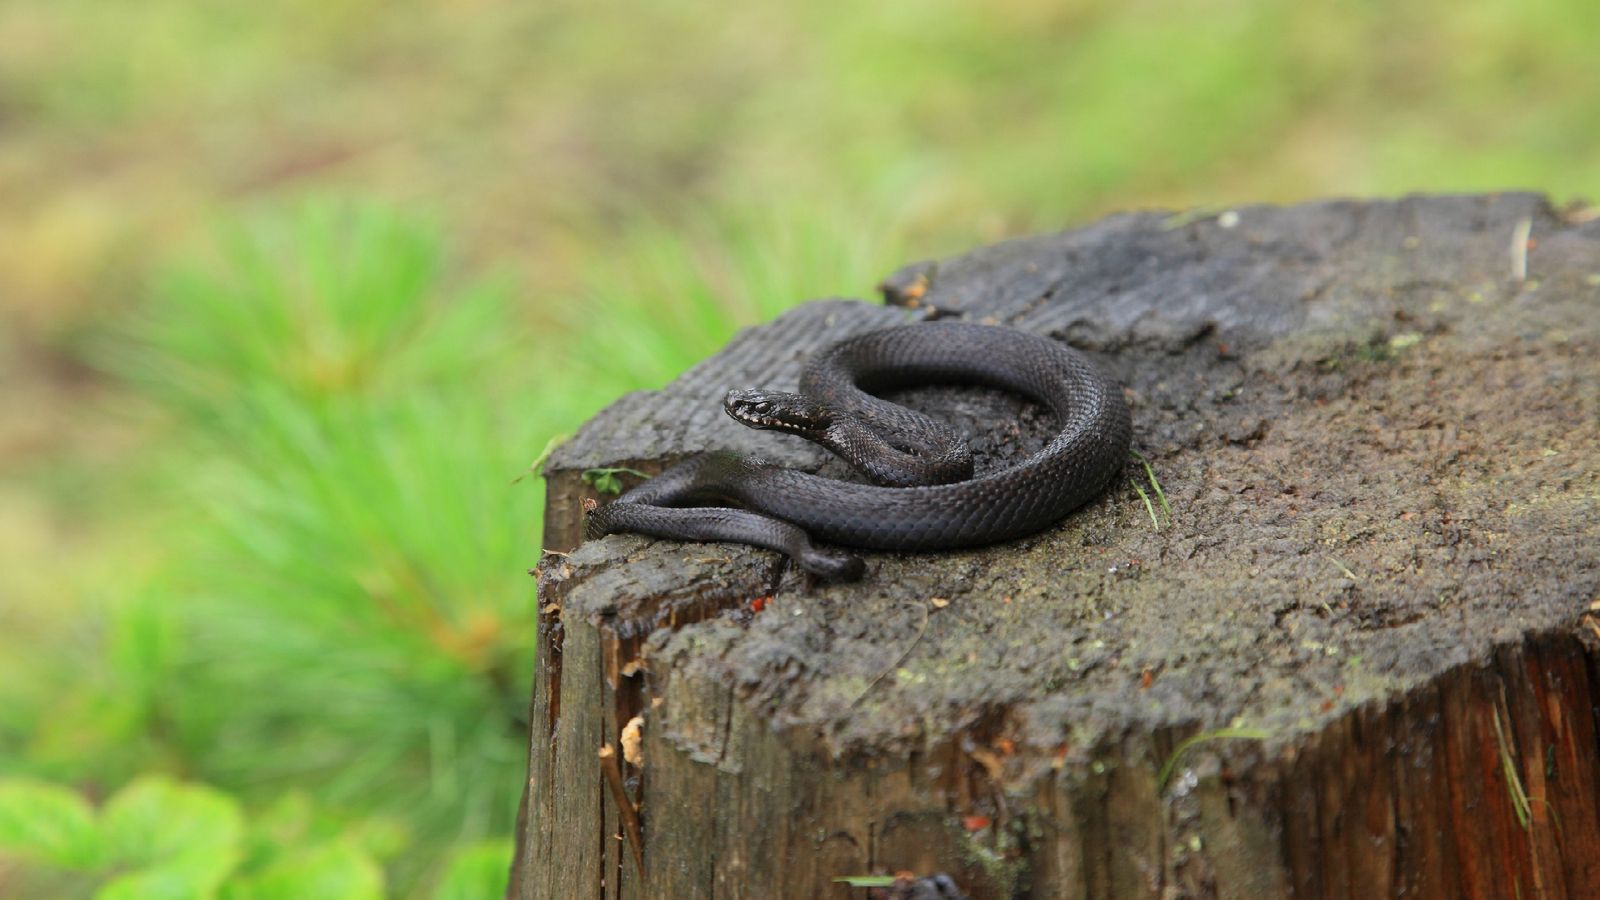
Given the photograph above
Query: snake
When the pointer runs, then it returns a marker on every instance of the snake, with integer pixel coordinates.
(923, 495)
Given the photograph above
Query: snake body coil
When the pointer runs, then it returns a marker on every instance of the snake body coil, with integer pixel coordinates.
(718, 497)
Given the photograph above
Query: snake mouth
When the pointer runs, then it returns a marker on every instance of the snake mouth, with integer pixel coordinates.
(776, 410)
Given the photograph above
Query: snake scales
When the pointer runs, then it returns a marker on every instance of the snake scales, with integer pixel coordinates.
(925, 498)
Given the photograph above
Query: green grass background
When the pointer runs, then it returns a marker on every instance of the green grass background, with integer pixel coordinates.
(292, 294)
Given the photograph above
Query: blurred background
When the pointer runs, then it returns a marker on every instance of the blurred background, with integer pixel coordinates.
(293, 295)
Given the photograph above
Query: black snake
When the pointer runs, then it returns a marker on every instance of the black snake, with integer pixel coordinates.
(926, 498)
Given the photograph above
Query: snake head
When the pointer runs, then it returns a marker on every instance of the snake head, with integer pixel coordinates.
(778, 411)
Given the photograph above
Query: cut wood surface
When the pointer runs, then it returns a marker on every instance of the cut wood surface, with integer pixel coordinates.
(1336, 642)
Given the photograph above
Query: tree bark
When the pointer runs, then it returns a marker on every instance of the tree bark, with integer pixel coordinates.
(1357, 658)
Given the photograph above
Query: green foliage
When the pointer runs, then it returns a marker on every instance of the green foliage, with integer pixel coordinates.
(605, 480)
(46, 823)
(478, 871)
(175, 840)
(157, 838)
(108, 721)
(336, 301)
(344, 606)
(359, 611)
(295, 568)
(339, 869)
(690, 281)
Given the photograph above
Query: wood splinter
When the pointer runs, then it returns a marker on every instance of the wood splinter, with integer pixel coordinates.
(630, 813)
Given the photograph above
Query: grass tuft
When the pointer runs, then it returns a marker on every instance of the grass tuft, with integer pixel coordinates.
(1155, 485)
(1219, 734)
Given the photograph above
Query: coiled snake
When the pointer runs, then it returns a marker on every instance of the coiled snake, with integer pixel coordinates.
(925, 498)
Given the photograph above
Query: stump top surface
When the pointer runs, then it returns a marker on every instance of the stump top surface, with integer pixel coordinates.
(1375, 424)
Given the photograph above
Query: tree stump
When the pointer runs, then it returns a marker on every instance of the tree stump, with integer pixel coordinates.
(1347, 648)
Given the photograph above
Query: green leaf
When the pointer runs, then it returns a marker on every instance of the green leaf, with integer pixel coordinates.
(159, 883)
(477, 871)
(605, 481)
(336, 871)
(382, 837)
(45, 822)
(273, 831)
(184, 837)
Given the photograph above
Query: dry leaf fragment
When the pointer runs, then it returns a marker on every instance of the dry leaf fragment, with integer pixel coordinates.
(633, 741)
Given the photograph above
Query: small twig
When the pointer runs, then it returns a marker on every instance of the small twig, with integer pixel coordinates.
(1190, 216)
(630, 813)
(921, 630)
(1342, 567)
(1519, 248)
